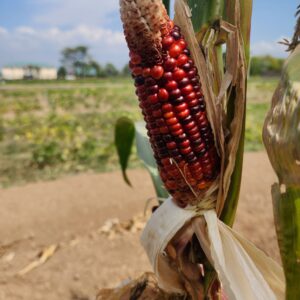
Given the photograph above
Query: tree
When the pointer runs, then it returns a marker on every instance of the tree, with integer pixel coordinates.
(76, 60)
(126, 71)
(110, 70)
(61, 73)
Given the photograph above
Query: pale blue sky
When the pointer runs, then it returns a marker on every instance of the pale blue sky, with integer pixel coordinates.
(36, 30)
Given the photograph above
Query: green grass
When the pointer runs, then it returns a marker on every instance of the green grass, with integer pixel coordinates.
(54, 128)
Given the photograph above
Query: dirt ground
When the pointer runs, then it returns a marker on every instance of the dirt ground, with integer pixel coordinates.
(58, 226)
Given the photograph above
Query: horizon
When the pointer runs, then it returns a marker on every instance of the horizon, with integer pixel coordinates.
(40, 29)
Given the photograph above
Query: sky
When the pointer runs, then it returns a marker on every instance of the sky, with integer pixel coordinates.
(36, 31)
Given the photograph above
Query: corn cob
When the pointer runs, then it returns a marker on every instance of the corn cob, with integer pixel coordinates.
(170, 96)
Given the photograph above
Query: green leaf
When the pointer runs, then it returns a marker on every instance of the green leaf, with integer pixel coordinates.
(205, 12)
(124, 136)
(167, 5)
(145, 153)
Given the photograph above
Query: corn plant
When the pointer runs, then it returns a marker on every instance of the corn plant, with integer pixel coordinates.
(190, 77)
(281, 136)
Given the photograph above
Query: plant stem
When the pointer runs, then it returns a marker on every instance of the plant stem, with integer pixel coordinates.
(287, 220)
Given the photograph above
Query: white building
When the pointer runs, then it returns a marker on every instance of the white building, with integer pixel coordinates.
(29, 71)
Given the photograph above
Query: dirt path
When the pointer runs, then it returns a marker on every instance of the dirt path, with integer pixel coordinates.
(68, 213)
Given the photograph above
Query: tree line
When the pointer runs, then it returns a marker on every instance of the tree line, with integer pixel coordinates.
(79, 63)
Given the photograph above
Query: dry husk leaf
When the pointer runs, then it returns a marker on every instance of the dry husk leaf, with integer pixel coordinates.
(281, 132)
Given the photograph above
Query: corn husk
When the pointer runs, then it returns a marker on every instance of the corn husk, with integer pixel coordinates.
(244, 271)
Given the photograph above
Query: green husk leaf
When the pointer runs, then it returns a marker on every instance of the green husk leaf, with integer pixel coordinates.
(124, 136)
(145, 153)
(167, 5)
(204, 13)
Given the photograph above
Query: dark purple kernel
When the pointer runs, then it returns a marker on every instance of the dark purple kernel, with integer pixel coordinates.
(152, 89)
(195, 109)
(187, 120)
(186, 67)
(174, 152)
(176, 35)
(194, 81)
(202, 106)
(185, 81)
(139, 80)
(167, 138)
(186, 52)
(156, 106)
(176, 28)
(201, 152)
(175, 94)
(197, 88)
(191, 157)
(160, 122)
(178, 100)
(150, 81)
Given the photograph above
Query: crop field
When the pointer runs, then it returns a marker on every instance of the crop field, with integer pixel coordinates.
(53, 128)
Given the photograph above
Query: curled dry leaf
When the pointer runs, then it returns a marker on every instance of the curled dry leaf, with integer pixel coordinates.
(281, 132)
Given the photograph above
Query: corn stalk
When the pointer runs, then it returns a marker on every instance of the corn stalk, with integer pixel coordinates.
(281, 137)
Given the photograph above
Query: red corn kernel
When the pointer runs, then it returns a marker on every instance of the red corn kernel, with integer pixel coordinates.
(157, 72)
(195, 136)
(193, 103)
(181, 107)
(175, 127)
(187, 90)
(172, 121)
(183, 114)
(186, 150)
(182, 60)
(167, 107)
(190, 96)
(166, 161)
(202, 185)
(164, 130)
(135, 58)
(175, 50)
(179, 74)
(195, 166)
(177, 132)
(189, 125)
(146, 72)
(137, 71)
(163, 95)
(157, 113)
(186, 143)
(199, 148)
(193, 130)
(167, 42)
(169, 115)
(171, 85)
(171, 145)
(182, 43)
(153, 98)
(198, 175)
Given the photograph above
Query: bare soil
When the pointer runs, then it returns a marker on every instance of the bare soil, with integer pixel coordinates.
(67, 214)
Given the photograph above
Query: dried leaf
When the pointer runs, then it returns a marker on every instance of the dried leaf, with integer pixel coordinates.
(46, 254)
